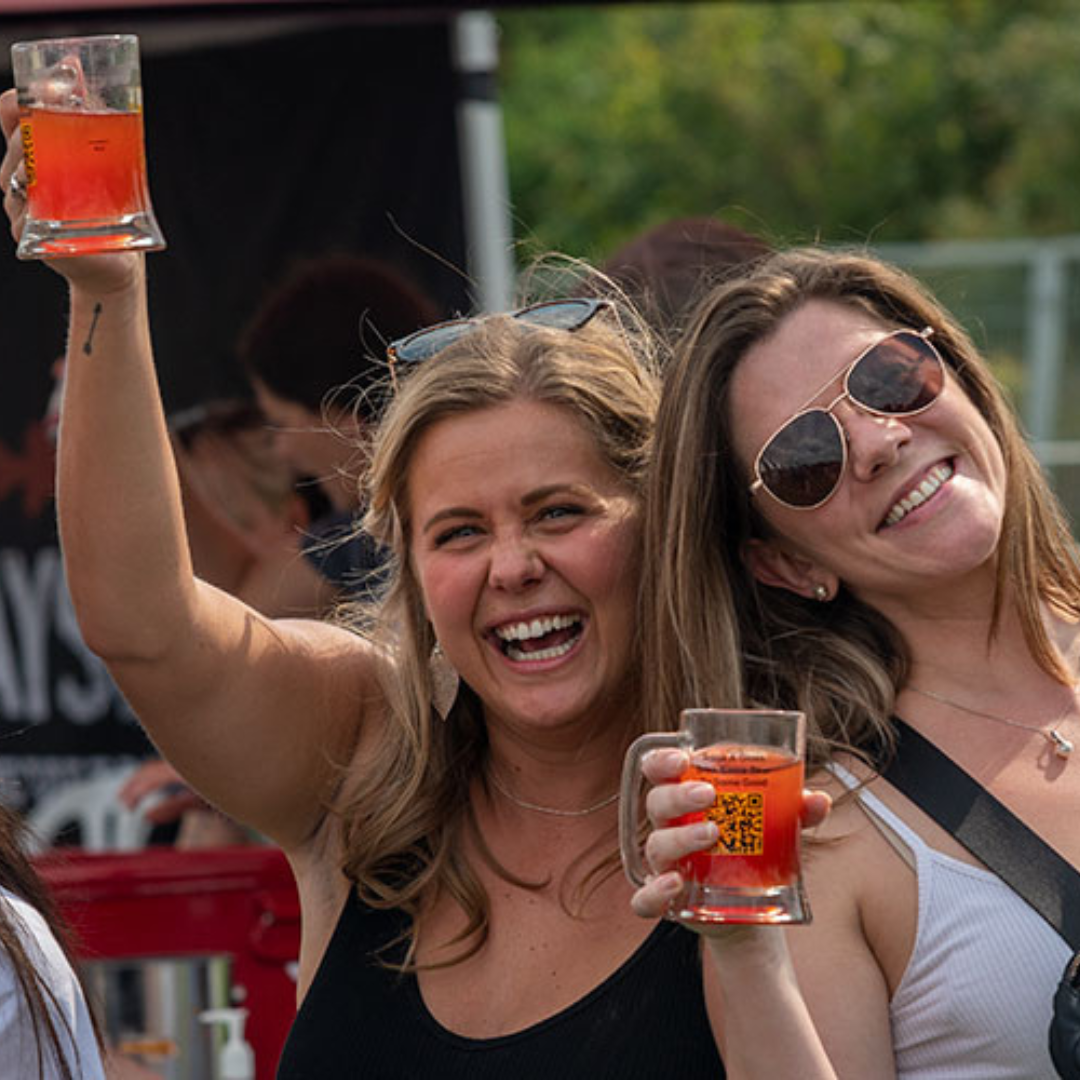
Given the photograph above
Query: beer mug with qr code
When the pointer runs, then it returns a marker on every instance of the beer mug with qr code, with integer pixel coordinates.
(754, 760)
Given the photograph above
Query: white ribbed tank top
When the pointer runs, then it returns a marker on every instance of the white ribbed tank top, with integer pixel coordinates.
(975, 1000)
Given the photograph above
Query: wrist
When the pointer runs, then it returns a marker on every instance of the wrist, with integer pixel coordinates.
(742, 948)
(95, 279)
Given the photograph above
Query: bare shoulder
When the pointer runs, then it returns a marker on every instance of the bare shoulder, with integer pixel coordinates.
(861, 881)
(330, 666)
(852, 851)
(333, 644)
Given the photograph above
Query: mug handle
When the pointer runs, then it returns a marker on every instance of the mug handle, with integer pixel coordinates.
(630, 800)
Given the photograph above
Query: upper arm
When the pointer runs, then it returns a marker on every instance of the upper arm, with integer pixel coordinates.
(257, 714)
(844, 988)
(849, 873)
(846, 963)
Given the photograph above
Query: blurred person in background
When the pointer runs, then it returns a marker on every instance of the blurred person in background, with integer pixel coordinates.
(665, 269)
(313, 354)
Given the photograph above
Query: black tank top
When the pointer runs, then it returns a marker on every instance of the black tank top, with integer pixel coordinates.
(362, 1020)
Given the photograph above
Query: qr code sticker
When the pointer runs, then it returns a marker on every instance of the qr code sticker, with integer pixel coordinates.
(740, 817)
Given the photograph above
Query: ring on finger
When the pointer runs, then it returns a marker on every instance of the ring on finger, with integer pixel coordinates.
(17, 186)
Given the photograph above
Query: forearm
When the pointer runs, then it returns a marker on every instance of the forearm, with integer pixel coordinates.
(764, 1024)
(121, 522)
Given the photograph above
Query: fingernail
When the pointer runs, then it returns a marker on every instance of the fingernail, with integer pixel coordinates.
(669, 882)
(669, 760)
(702, 794)
(706, 832)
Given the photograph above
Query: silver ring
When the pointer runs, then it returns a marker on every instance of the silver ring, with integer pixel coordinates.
(17, 186)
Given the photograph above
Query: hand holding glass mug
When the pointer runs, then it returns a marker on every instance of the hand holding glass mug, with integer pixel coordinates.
(725, 845)
(100, 274)
(82, 179)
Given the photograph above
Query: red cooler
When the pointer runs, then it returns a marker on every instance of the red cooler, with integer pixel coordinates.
(164, 935)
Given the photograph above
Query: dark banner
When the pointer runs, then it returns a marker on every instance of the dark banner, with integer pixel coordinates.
(261, 152)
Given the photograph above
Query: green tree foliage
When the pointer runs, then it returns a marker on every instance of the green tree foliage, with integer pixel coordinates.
(844, 121)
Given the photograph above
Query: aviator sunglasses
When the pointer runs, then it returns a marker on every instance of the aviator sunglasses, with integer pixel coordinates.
(802, 463)
(571, 314)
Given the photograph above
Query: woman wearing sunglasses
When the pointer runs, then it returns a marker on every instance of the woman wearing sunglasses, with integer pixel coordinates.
(442, 770)
(836, 466)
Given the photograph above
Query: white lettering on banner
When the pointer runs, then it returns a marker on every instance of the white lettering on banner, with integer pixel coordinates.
(36, 612)
(27, 587)
(10, 694)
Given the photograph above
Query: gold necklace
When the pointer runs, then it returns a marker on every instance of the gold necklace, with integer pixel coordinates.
(1061, 746)
(554, 811)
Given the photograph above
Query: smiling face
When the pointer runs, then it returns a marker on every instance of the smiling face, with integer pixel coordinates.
(525, 544)
(922, 498)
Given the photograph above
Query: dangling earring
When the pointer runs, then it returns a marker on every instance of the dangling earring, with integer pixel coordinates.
(821, 594)
(445, 682)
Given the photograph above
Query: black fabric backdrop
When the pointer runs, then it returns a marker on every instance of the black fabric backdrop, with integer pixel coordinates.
(262, 151)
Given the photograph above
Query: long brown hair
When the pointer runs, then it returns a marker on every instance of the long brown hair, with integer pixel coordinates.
(402, 839)
(716, 634)
(54, 1039)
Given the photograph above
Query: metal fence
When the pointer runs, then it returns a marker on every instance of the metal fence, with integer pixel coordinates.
(1019, 300)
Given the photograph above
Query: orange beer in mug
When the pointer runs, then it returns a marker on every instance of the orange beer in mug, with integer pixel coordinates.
(80, 103)
(754, 761)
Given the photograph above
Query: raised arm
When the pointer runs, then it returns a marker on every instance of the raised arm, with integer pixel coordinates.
(252, 712)
(763, 1025)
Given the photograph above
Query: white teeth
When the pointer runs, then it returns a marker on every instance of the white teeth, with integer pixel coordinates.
(524, 631)
(537, 628)
(918, 495)
(540, 654)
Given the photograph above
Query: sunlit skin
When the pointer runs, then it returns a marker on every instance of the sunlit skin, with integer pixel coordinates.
(515, 517)
(512, 518)
(945, 540)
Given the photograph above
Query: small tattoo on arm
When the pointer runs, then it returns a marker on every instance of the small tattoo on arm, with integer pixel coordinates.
(88, 343)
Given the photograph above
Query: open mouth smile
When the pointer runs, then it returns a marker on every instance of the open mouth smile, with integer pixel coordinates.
(545, 638)
(926, 489)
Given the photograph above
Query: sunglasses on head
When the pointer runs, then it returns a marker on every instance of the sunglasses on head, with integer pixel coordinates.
(571, 314)
(802, 463)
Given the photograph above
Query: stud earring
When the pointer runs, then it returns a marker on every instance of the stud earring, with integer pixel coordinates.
(821, 594)
(445, 682)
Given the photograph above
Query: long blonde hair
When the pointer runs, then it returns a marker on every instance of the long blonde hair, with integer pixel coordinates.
(716, 634)
(406, 812)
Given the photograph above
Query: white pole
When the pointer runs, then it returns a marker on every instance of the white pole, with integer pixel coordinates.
(1045, 346)
(485, 185)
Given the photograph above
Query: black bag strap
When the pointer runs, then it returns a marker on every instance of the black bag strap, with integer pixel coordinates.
(999, 839)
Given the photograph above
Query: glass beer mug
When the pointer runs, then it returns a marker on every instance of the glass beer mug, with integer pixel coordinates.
(754, 761)
(81, 123)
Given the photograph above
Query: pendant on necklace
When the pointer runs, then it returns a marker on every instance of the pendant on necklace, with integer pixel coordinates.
(1062, 746)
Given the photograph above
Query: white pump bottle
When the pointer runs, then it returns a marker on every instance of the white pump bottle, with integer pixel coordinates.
(236, 1059)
